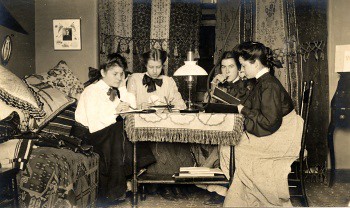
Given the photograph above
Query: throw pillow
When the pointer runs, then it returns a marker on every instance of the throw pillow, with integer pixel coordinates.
(62, 78)
(62, 123)
(26, 121)
(52, 99)
(9, 127)
(16, 94)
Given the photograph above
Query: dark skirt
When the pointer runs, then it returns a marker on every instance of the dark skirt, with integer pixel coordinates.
(116, 153)
(170, 157)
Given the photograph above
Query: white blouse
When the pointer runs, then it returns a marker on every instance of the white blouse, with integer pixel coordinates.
(168, 91)
(95, 110)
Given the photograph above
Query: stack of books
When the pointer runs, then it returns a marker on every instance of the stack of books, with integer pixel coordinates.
(199, 173)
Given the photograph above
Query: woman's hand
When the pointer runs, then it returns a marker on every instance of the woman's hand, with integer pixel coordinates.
(240, 107)
(220, 78)
(123, 81)
(123, 106)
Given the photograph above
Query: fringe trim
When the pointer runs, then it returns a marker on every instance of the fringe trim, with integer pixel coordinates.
(184, 135)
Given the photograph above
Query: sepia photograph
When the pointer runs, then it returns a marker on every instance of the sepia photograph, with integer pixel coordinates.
(174, 103)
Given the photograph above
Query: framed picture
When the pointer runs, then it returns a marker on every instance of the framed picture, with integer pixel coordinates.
(66, 34)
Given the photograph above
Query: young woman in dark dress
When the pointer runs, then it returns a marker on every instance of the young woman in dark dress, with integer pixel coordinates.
(264, 155)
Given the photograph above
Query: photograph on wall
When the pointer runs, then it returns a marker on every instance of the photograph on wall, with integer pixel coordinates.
(67, 34)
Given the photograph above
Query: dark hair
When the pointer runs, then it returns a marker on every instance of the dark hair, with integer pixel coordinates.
(155, 55)
(233, 55)
(115, 59)
(252, 51)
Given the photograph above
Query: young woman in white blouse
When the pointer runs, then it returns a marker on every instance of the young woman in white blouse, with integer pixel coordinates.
(154, 88)
(98, 109)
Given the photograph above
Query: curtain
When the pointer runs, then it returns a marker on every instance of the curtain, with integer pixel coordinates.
(132, 27)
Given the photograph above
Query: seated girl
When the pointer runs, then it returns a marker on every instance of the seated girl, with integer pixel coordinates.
(154, 88)
(98, 109)
(228, 80)
(264, 155)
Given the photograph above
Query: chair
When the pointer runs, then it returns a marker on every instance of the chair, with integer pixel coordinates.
(296, 177)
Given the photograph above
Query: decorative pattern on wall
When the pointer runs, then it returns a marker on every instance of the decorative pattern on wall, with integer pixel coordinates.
(132, 27)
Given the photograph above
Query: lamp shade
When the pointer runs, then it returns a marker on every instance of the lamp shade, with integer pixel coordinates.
(342, 58)
(190, 69)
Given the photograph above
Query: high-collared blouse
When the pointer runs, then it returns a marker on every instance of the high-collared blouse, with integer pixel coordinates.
(168, 90)
(95, 109)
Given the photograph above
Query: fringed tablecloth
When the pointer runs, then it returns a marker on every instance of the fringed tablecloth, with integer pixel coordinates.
(203, 128)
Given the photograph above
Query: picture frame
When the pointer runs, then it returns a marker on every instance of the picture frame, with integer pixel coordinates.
(66, 34)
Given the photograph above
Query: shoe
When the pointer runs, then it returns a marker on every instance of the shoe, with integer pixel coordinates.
(166, 193)
(179, 194)
(215, 199)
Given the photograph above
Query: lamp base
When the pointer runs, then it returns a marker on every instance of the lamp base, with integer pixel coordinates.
(189, 110)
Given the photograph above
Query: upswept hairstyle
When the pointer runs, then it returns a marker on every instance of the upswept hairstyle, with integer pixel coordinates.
(253, 51)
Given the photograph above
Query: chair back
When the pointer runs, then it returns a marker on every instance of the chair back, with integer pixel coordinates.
(306, 97)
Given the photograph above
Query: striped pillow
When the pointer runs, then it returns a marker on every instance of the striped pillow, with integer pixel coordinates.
(62, 123)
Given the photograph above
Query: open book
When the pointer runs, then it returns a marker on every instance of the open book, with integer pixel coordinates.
(225, 97)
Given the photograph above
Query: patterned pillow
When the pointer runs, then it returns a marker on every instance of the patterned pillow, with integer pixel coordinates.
(9, 127)
(16, 94)
(52, 99)
(26, 121)
(62, 123)
(62, 78)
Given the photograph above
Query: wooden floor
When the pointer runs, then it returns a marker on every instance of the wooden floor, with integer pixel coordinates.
(319, 195)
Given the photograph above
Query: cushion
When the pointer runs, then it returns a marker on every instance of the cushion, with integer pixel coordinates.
(26, 121)
(15, 93)
(15, 153)
(62, 123)
(62, 78)
(9, 127)
(52, 99)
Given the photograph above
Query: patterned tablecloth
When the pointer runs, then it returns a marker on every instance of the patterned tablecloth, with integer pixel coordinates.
(203, 128)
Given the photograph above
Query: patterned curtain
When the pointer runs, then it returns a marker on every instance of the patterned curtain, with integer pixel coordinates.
(132, 27)
(276, 24)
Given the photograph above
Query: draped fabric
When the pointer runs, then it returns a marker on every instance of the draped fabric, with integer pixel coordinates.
(132, 27)
(296, 31)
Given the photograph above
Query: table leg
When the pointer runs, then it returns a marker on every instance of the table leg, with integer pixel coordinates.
(134, 181)
(232, 163)
(15, 191)
(331, 129)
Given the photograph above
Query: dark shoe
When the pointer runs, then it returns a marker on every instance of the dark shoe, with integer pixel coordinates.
(179, 194)
(215, 199)
(166, 193)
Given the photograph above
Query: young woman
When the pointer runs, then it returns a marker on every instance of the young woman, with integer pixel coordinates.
(264, 155)
(228, 80)
(98, 110)
(154, 88)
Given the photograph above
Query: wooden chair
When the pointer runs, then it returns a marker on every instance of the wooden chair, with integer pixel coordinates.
(296, 177)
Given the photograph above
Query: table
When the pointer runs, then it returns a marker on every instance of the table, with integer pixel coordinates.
(201, 128)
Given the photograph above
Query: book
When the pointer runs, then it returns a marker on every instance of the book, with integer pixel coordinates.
(225, 97)
(199, 171)
(216, 177)
(220, 108)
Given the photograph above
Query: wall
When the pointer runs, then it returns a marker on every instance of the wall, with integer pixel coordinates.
(339, 34)
(78, 61)
(22, 60)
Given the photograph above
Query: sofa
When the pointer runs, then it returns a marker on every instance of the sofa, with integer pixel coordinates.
(37, 117)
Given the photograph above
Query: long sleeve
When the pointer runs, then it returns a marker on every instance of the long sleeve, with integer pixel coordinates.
(93, 112)
(174, 95)
(268, 118)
